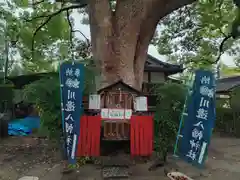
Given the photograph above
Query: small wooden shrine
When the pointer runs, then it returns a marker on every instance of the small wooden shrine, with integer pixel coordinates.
(122, 113)
(117, 104)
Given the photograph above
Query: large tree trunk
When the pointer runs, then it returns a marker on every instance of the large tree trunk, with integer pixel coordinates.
(120, 37)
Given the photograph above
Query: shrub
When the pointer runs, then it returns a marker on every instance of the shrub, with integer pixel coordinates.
(228, 114)
(45, 95)
(170, 101)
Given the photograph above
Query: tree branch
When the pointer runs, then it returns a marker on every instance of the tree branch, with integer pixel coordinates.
(70, 34)
(85, 37)
(37, 3)
(57, 12)
(71, 31)
(221, 50)
(35, 33)
(48, 18)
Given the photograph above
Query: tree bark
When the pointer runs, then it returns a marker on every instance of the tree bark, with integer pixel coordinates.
(120, 37)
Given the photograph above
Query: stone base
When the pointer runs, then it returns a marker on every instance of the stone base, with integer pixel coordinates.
(115, 172)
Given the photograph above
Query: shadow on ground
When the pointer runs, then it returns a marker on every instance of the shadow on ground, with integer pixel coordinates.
(39, 157)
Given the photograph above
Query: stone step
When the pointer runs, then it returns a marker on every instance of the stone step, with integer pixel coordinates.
(115, 172)
(119, 161)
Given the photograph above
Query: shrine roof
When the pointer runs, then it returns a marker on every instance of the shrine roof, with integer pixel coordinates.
(22, 80)
(152, 65)
(117, 83)
(227, 84)
(155, 65)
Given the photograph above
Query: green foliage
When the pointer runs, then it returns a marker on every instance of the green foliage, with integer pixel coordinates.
(229, 71)
(235, 32)
(192, 34)
(84, 160)
(234, 101)
(45, 95)
(47, 41)
(51, 46)
(228, 114)
(170, 101)
(228, 121)
(51, 43)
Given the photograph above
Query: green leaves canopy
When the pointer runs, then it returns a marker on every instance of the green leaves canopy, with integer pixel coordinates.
(51, 43)
(192, 34)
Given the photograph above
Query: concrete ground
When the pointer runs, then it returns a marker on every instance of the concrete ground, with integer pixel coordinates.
(223, 162)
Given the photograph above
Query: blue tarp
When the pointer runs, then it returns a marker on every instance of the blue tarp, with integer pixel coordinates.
(23, 127)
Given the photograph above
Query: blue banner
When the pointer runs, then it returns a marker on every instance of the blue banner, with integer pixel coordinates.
(199, 119)
(71, 82)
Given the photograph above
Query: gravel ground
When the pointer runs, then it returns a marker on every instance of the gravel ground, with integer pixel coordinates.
(21, 155)
(40, 157)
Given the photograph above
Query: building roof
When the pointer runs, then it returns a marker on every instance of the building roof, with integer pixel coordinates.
(227, 84)
(152, 65)
(116, 83)
(155, 65)
(22, 80)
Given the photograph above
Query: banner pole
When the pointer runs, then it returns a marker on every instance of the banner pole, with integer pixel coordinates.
(182, 115)
(62, 112)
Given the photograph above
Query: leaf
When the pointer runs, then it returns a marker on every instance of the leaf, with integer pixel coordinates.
(22, 3)
(170, 101)
(192, 34)
(45, 94)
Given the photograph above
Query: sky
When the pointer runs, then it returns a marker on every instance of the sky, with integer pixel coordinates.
(152, 50)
